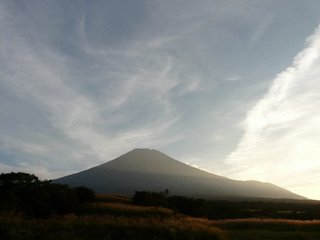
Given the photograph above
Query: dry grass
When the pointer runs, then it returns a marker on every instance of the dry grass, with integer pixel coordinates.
(126, 209)
(111, 220)
(275, 229)
(113, 217)
(113, 198)
(174, 226)
(108, 227)
(270, 224)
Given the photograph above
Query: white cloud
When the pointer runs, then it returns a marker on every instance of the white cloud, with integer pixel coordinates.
(282, 132)
(261, 30)
(233, 78)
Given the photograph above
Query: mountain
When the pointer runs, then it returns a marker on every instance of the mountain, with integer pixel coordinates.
(145, 169)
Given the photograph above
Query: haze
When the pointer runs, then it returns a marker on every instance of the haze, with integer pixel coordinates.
(231, 87)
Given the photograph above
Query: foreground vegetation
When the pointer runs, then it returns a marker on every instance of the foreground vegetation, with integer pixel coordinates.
(275, 229)
(59, 212)
(108, 227)
(26, 194)
(231, 209)
(131, 222)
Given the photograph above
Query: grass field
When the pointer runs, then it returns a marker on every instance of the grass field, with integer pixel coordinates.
(278, 229)
(114, 217)
(107, 227)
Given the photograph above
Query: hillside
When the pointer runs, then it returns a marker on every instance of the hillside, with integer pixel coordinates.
(145, 169)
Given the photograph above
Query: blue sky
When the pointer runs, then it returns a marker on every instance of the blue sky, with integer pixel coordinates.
(231, 87)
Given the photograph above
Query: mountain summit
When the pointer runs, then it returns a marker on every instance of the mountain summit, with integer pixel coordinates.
(153, 162)
(146, 169)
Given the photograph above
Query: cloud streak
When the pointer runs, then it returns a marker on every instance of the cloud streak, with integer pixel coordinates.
(261, 30)
(281, 132)
(83, 111)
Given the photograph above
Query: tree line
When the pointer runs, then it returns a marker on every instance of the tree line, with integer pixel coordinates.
(224, 209)
(24, 193)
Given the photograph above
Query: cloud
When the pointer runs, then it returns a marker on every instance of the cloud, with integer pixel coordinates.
(72, 113)
(39, 171)
(233, 78)
(281, 136)
(8, 142)
(260, 30)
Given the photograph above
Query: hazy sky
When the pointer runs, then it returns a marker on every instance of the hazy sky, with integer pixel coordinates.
(230, 86)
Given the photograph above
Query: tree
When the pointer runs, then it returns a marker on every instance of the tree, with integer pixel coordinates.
(84, 194)
(147, 198)
(17, 179)
(23, 192)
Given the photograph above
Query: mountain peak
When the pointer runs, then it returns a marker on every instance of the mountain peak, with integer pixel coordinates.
(147, 160)
(144, 151)
(150, 169)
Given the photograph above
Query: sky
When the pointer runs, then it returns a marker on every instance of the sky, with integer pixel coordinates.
(231, 87)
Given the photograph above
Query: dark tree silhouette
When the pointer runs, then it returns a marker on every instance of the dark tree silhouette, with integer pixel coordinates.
(23, 192)
(84, 194)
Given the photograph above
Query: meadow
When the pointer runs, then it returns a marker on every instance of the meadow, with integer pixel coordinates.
(124, 223)
(115, 217)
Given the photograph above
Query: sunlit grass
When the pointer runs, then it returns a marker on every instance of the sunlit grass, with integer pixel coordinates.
(270, 224)
(121, 208)
(114, 217)
(108, 227)
(275, 229)
(113, 198)
(170, 226)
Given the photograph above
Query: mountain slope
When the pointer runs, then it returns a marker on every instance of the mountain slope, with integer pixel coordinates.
(145, 169)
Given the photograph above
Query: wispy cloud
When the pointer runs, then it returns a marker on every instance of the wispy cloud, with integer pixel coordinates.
(260, 30)
(84, 111)
(281, 132)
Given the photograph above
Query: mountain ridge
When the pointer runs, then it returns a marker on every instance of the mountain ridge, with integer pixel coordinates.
(150, 169)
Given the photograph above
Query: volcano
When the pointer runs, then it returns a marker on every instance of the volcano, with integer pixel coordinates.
(151, 170)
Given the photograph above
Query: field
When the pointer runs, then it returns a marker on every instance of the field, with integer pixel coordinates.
(278, 229)
(115, 217)
(71, 227)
